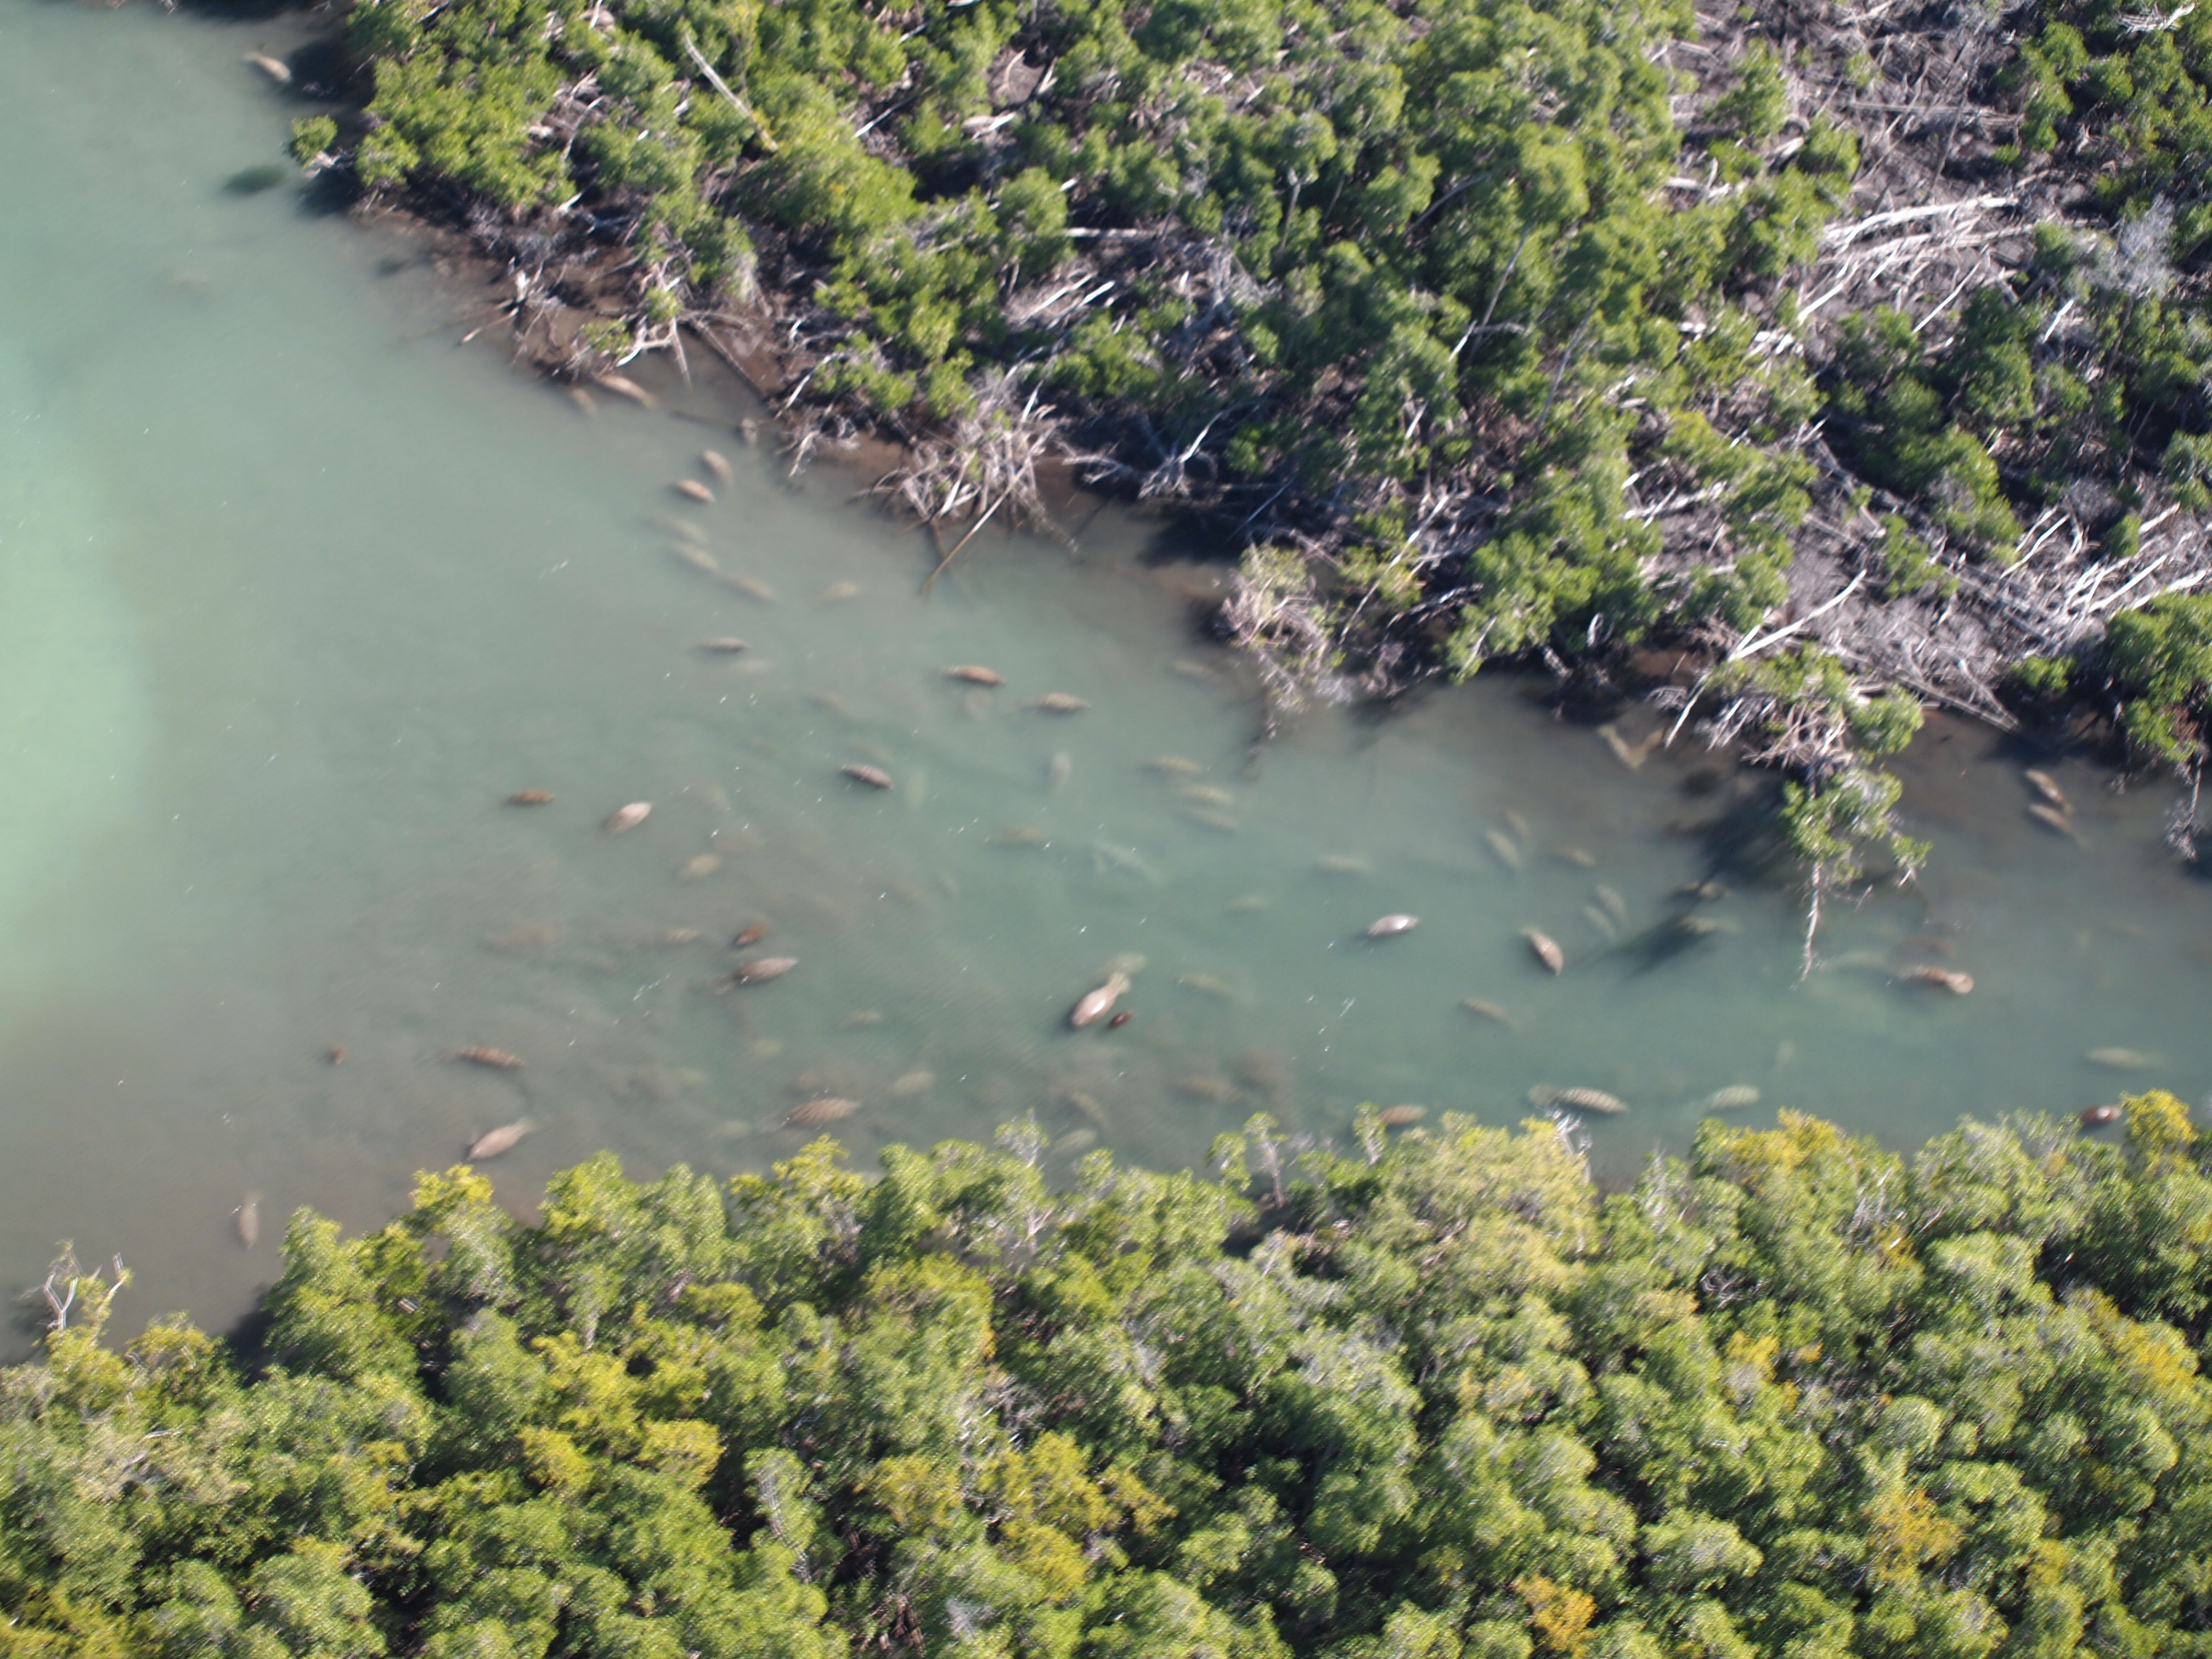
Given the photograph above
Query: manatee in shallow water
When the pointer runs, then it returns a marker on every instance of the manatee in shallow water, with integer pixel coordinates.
(714, 463)
(1402, 1117)
(497, 1060)
(2047, 786)
(1489, 1011)
(627, 817)
(1094, 1005)
(1211, 985)
(1733, 1099)
(693, 488)
(1949, 979)
(1058, 703)
(531, 798)
(874, 776)
(1390, 926)
(248, 1216)
(1577, 1100)
(493, 1142)
(759, 970)
(828, 1110)
(1214, 1091)
(2096, 1117)
(975, 674)
(2123, 1059)
(1546, 949)
(2054, 820)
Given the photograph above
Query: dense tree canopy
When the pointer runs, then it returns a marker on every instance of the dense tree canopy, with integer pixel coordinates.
(1793, 1395)
(1368, 253)
(1487, 325)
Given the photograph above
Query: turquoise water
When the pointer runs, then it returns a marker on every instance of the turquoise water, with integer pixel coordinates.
(294, 591)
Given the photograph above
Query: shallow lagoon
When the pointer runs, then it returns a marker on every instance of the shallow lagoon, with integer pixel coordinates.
(294, 592)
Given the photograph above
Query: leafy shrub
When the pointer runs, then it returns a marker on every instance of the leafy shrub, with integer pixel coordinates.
(2161, 658)
(1792, 1394)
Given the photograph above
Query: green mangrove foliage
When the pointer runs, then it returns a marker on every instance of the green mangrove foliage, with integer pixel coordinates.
(1416, 271)
(1791, 1394)
(2077, 383)
(1800, 709)
(2161, 658)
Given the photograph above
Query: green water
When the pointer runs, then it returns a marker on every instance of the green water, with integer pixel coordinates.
(293, 591)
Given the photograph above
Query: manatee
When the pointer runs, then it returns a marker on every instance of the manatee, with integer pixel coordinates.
(1577, 1100)
(759, 970)
(1546, 949)
(1489, 1011)
(1095, 1004)
(497, 1060)
(1950, 979)
(828, 1110)
(2054, 820)
(493, 1142)
(2123, 1059)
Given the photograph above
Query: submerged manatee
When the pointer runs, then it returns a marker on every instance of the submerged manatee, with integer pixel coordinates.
(493, 1142)
(1577, 1100)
